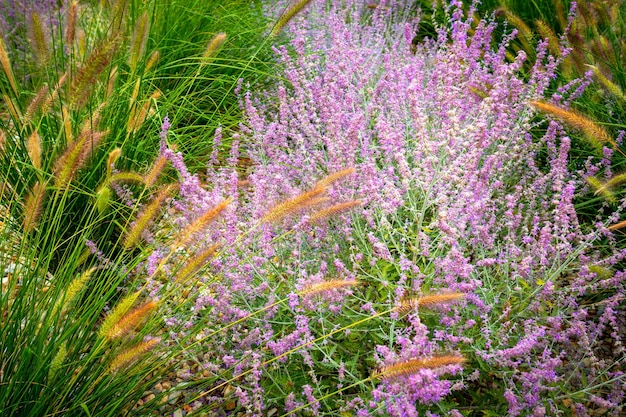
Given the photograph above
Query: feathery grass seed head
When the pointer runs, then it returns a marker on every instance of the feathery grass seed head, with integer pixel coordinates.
(138, 41)
(33, 146)
(38, 40)
(70, 29)
(146, 216)
(195, 263)
(132, 354)
(333, 211)
(6, 67)
(287, 16)
(334, 177)
(157, 167)
(328, 285)
(117, 313)
(200, 223)
(429, 301)
(594, 133)
(292, 205)
(412, 366)
(214, 45)
(131, 320)
(33, 205)
(57, 361)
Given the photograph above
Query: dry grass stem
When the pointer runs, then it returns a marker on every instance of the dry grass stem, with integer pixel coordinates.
(594, 133)
(617, 226)
(412, 366)
(131, 355)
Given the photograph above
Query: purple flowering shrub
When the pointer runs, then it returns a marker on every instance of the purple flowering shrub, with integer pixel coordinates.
(455, 197)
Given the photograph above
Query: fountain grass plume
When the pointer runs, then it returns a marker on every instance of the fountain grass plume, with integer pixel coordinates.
(130, 321)
(70, 27)
(199, 224)
(287, 16)
(196, 263)
(130, 355)
(430, 301)
(6, 67)
(85, 80)
(38, 40)
(118, 312)
(292, 205)
(595, 134)
(33, 206)
(33, 147)
(412, 366)
(333, 210)
(138, 41)
(146, 216)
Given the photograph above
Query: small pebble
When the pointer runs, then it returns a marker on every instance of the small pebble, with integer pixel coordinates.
(173, 397)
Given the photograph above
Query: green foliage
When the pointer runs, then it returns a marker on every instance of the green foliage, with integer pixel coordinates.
(91, 89)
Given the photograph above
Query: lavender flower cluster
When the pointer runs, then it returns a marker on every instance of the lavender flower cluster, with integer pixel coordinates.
(456, 196)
